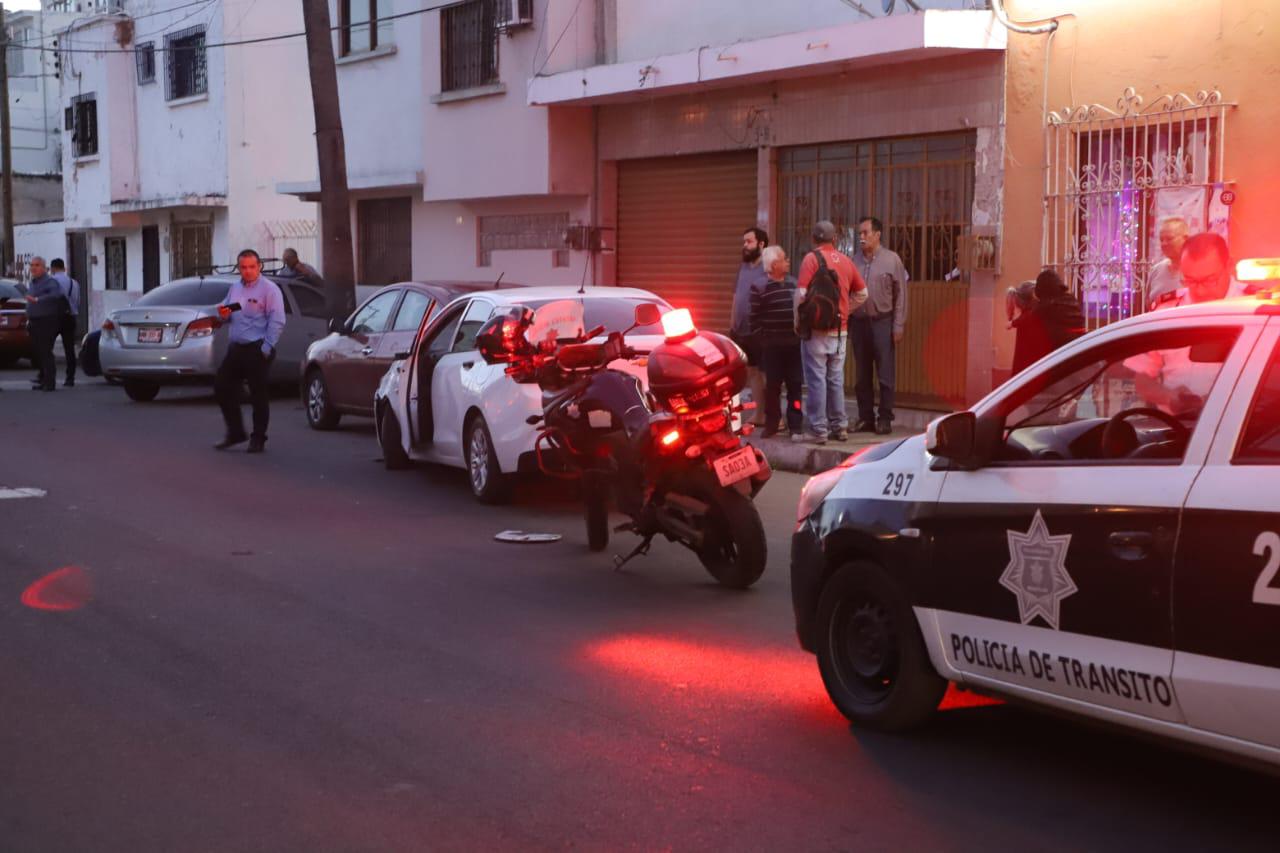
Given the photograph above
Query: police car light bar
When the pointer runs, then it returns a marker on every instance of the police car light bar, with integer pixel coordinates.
(1258, 269)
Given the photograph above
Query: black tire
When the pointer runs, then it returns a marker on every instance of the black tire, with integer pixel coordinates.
(488, 483)
(317, 403)
(393, 456)
(140, 390)
(871, 654)
(734, 551)
(595, 509)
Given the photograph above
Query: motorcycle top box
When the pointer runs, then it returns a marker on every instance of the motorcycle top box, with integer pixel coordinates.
(693, 370)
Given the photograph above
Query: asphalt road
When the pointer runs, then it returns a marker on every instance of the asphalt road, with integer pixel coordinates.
(302, 651)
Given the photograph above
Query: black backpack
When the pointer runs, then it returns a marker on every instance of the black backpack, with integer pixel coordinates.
(820, 310)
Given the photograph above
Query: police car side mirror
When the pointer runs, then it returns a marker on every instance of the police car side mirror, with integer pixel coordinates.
(953, 437)
(334, 324)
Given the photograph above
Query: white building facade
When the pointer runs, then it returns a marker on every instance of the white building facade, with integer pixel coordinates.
(173, 143)
(477, 135)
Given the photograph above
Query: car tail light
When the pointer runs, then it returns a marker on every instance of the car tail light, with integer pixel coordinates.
(820, 485)
(202, 328)
(108, 326)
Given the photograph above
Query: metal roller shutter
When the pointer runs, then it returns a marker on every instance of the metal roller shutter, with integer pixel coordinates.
(680, 224)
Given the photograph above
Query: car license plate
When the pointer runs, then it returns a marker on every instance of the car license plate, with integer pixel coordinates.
(738, 465)
(150, 334)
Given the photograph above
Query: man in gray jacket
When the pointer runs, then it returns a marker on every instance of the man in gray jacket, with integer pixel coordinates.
(46, 304)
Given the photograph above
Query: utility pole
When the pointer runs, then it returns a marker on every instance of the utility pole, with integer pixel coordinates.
(331, 155)
(6, 149)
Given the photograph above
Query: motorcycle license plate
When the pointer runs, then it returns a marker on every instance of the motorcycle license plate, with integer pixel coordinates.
(738, 465)
(150, 334)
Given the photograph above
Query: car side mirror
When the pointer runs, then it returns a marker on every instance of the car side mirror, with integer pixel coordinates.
(954, 437)
(335, 324)
(648, 314)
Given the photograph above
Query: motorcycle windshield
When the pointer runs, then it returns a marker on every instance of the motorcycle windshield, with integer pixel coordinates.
(556, 321)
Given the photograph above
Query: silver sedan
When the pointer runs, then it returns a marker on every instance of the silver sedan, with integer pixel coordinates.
(172, 335)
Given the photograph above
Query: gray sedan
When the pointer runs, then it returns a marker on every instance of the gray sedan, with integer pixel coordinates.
(172, 335)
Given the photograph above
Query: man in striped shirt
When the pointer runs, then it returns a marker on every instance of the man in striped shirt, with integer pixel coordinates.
(772, 319)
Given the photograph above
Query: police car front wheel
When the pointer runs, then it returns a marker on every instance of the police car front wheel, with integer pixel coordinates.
(870, 653)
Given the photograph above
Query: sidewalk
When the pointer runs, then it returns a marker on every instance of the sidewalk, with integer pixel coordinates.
(808, 458)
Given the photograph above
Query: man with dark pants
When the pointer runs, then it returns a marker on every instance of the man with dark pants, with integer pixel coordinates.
(70, 320)
(45, 307)
(876, 326)
(254, 307)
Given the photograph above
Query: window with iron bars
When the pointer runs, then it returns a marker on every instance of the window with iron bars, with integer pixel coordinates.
(117, 267)
(186, 64)
(469, 44)
(362, 26)
(145, 54)
(81, 120)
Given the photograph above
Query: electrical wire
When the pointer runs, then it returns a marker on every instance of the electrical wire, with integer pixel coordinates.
(563, 32)
(238, 42)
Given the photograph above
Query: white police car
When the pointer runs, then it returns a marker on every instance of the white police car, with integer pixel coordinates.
(1100, 535)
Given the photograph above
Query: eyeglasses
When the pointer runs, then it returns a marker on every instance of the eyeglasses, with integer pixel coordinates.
(1202, 281)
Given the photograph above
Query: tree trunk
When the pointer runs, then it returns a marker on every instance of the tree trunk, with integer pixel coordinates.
(331, 153)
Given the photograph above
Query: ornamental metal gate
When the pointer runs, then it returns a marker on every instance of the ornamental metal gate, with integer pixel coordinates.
(1113, 176)
(921, 189)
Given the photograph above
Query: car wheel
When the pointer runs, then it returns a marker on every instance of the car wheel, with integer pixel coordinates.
(871, 654)
(488, 483)
(141, 391)
(319, 408)
(393, 456)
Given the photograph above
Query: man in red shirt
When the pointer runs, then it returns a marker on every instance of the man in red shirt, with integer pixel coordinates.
(823, 352)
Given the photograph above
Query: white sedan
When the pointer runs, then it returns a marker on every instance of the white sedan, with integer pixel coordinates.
(440, 402)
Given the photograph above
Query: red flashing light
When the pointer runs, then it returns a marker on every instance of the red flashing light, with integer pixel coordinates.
(670, 438)
(66, 589)
(678, 325)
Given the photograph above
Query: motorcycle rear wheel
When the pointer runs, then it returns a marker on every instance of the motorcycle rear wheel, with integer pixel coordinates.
(735, 551)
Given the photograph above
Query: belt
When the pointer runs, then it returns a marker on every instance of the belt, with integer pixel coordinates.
(257, 343)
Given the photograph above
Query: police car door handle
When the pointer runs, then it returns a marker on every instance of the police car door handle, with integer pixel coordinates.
(367, 351)
(1131, 544)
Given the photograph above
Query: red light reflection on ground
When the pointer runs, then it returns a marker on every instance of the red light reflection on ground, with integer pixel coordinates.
(68, 588)
(770, 676)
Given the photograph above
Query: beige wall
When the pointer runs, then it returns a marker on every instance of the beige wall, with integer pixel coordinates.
(1157, 47)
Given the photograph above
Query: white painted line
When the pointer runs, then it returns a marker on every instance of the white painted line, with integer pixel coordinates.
(7, 494)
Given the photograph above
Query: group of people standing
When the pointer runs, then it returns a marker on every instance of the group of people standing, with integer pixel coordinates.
(53, 309)
(799, 330)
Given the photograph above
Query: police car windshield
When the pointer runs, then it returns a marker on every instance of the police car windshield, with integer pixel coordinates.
(614, 313)
(192, 291)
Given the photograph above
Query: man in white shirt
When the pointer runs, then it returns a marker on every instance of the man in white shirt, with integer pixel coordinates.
(1166, 276)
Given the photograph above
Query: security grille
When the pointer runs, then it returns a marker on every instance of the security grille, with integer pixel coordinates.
(145, 54)
(1113, 175)
(921, 189)
(82, 122)
(469, 45)
(192, 249)
(117, 266)
(186, 65)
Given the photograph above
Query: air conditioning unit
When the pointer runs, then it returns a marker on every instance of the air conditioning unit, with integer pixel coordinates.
(515, 14)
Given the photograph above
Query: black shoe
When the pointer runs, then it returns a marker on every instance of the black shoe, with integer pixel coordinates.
(70, 383)
(257, 445)
(864, 425)
(884, 427)
(230, 441)
(48, 387)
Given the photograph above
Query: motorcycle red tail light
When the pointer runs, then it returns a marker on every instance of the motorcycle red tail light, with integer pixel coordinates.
(670, 438)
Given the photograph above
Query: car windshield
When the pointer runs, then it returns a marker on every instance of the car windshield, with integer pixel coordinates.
(614, 313)
(195, 291)
(9, 291)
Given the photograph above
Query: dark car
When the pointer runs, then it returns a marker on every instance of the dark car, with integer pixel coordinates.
(15, 340)
(341, 371)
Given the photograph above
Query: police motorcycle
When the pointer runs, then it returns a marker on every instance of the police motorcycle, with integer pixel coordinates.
(669, 456)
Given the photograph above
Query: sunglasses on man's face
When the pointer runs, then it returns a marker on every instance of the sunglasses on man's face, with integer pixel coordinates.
(1202, 281)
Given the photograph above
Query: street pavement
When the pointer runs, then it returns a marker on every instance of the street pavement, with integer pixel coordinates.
(302, 651)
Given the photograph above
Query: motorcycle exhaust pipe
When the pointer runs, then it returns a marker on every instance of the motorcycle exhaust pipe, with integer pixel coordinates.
(669, 516)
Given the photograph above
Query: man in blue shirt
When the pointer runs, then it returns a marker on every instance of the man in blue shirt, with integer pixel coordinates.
(751, 279)
(45, 307)
(254, 308)
(67, 328)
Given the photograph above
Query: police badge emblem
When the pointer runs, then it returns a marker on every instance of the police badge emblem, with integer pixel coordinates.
(1037, 572)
